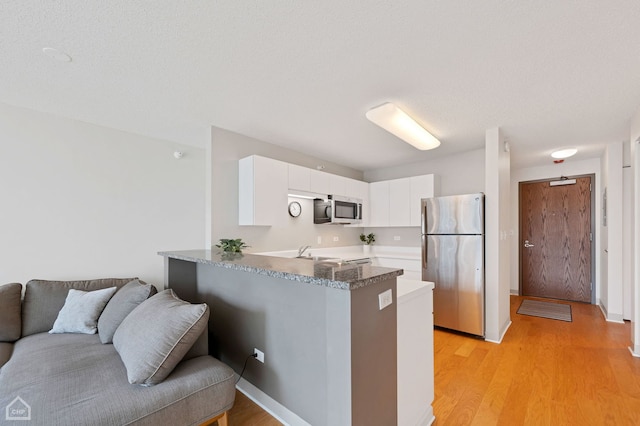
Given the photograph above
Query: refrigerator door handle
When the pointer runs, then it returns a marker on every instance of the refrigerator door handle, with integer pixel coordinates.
(424, 251)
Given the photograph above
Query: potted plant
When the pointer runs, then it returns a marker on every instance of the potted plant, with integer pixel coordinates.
(367, 240)
(231, 248)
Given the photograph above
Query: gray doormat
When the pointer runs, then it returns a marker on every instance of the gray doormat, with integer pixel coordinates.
(535, 308)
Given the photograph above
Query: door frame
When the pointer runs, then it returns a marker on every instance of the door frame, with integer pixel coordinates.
(593, 228)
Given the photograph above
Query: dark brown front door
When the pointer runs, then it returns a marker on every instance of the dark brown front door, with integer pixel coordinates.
(555, 240)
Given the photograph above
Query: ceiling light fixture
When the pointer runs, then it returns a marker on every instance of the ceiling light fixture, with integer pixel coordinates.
(56, 54)
(399, 123)
(564, 153)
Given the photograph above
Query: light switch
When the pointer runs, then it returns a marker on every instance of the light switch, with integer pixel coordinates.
(385, 299)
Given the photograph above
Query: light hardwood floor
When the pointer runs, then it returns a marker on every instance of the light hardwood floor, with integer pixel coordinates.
(545, 372)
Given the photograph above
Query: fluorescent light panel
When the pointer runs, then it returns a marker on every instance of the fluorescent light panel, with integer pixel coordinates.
(564, 153)
(399, 123)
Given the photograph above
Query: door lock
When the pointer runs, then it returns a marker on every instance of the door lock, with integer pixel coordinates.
(527, 245)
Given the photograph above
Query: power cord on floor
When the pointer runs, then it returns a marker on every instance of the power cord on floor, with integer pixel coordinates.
(253, 355)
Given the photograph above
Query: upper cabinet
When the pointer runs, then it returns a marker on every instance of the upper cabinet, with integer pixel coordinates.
(379, 204)
(320, 182)
(323, 183)
(397, 202)
(299, 177)
(264, 185)
(425, 186)
(262, 195)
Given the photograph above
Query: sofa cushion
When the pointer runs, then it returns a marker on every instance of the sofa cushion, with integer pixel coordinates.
(44, 299)
(10, 312)
(157, 334)
(121, 305)
(81, 311)
(6, 349)
(73, 379)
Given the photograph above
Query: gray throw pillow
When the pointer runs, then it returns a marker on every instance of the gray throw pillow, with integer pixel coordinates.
(10, 312)
(81, 311)
(121, 304)
(157, 334)
(43, 300)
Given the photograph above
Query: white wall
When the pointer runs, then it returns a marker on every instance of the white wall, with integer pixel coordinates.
(459, 174)
(612, 243)
(497, 235)
(81, 201)
(568, 168)
(635, 213)
(226, 149)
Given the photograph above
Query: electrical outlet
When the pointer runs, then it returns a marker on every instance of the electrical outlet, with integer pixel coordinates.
(259, 355)
(319, 240)
(396, 238)
(336, 239)
(385, 299)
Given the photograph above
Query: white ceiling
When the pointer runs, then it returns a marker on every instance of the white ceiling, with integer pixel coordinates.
(302, 74)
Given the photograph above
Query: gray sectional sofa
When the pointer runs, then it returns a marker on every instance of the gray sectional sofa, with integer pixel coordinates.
(142, 378)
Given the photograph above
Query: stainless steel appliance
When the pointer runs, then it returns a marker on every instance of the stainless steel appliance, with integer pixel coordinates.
(337, 210)
(453, 258)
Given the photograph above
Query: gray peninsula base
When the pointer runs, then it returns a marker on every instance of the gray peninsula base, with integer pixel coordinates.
(330, 352)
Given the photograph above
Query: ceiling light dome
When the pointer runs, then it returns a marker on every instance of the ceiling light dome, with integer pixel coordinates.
(399, 123)
(564, 153)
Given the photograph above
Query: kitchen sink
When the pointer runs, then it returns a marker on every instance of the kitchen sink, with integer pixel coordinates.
(316, 258)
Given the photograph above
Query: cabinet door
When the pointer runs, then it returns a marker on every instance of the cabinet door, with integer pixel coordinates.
(262, 191)
(299, 177)
(379, 203)
(319, 182)
(338, 186)
(399, 202)
(421, 187)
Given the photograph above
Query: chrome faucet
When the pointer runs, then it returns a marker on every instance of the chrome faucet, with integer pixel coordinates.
(302, 249)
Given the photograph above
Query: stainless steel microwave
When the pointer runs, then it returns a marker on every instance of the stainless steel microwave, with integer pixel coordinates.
(337, 210)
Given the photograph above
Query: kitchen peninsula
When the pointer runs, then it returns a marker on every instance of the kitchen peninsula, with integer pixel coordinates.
(330, 350)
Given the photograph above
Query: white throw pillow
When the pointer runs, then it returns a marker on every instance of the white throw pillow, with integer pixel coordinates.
(81, 311)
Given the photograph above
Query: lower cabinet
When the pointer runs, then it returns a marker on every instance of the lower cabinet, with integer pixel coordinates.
(415, 352)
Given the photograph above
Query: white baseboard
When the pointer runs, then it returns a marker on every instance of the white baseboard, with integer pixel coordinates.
(501, 335)
(609, 317)
(636, 353)
(428, 418)
(270, 405)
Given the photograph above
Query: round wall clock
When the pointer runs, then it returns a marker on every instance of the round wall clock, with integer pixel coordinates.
(295, 209)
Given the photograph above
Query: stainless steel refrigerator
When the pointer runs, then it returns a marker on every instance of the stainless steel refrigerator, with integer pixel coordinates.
(453, 258)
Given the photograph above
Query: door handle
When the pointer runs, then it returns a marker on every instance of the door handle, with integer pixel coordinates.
(527, 245)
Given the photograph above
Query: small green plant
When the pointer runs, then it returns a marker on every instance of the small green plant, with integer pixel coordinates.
(231, 245)
(368, 239)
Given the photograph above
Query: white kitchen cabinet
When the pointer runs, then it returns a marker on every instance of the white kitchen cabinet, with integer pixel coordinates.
(379, 204)
(319, 182)
(415, 352)
(421, 187)
(262, 195)
(399, 202)
(338, 185)
(299, 177)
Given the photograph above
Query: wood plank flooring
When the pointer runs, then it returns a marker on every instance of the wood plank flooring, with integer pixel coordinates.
(545, 372)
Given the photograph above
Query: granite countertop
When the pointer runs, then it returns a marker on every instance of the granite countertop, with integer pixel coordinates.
(326, 273)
